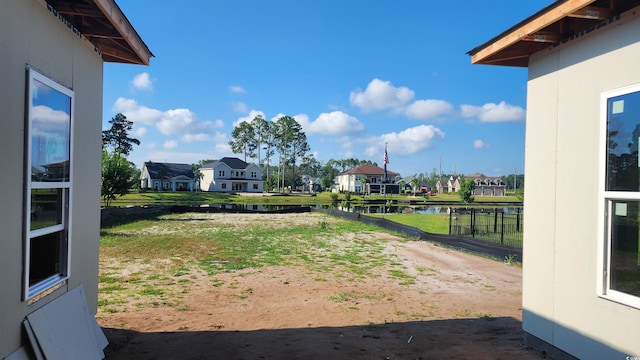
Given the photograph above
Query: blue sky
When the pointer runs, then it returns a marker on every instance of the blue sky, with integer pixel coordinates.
(355, 74)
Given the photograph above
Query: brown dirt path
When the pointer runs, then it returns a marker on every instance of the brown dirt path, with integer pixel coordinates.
(460, 306)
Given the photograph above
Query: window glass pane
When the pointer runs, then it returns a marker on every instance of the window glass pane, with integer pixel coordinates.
(624, 270)
(45, 258)
(46, 208)
(50, 133)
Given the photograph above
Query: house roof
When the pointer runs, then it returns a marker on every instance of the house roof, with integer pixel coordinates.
(557, 23)
(367, 169)
(232, 162)
(103, 24)
(168, 170)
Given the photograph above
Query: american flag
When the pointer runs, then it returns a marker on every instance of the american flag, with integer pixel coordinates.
(385, 160)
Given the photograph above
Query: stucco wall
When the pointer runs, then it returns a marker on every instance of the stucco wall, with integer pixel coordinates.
(31, 35)
(563, 232)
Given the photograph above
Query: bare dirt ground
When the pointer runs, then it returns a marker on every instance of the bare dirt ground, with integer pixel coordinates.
(461, 306)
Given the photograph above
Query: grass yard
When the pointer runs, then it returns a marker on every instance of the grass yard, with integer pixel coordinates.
(432, 223)
(179, 245)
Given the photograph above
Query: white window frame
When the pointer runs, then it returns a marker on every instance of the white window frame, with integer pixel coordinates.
(605, 200)
(31, 291)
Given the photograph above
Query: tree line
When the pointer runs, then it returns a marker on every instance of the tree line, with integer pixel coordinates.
(265, 141)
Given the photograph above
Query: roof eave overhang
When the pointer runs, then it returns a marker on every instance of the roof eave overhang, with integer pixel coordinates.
(120, 22)
(502, 50)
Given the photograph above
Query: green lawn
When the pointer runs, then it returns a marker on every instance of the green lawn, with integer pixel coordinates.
(200, 198)
(432, 223)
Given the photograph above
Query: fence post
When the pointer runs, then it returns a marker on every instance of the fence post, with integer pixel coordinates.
(502, 230)
(495, 220)
(518, 220)
(450, 217)
(473, 230)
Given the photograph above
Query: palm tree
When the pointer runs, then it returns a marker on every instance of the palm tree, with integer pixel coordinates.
(363, 181)
(415, 183)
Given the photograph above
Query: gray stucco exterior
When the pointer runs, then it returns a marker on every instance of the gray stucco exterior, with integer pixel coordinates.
(32, 36)
(564, 232)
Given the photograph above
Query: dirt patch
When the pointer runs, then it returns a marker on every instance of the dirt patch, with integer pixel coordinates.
(445, 304)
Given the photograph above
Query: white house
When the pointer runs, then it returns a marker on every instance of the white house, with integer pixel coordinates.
(231, 175)
(167, 177)
(362, 178)
(581, 257)
(51, 66)
(452, 185)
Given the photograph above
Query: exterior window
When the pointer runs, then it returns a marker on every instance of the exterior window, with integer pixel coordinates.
(223, 186)
(221, 173)
(48, 187)
(255, 186)
(622, 196)
(254, 174)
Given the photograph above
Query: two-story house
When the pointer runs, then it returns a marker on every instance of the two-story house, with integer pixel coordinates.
(367, 178)
(487, 186)
(452, 185)
(231, 174)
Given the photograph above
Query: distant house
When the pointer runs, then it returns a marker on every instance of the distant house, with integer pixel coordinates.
(449, 185)
(167, 177)
(486, 186)
(311, 184)
(422, 187)
(231, 174)
(581, 246)
(366, 178)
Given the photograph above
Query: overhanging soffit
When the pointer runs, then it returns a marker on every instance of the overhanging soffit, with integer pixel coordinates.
(552, 25)
(105, 26)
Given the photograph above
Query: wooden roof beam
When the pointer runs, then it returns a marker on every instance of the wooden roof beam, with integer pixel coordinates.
(530, 27)
(591, 12)
(544, 37)
(115, 16)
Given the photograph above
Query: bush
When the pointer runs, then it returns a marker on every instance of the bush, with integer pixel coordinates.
(334, 197)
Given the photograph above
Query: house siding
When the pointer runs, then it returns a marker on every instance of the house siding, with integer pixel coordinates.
(30, 35)
(564, 229)
(212, 179)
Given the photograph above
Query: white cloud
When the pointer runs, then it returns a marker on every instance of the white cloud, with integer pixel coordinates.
(479, 144)
(335, 123)
(248, 118)
(140, 131)
(491, 112)
(412, 140)
(239, 107)
(195, 137)
(169, 122)
(176, 121)
(45, 113)
(236, 89)
(170, 144)
(135, 112)
(381, 95)
(142, 82)
(426, 109)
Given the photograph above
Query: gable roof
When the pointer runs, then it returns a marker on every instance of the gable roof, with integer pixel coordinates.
(367, 169)
(103, 24)
(231, 162)
(168, 170)
(555, 24)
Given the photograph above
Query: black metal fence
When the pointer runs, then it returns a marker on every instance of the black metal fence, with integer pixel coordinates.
(499, 225)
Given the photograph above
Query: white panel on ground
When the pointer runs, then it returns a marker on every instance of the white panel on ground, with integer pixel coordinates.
(64, 329)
